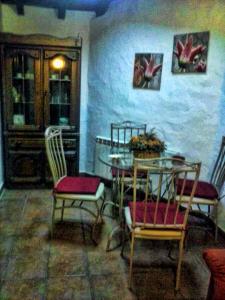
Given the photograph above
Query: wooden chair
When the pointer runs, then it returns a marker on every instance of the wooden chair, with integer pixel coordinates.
(209, 193)
(150, 216)
(68, 191)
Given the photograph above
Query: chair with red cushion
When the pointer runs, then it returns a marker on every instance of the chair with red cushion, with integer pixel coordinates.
(121, 133)
(209, 193)
(69, 191)
(156, 214)
(215, 260)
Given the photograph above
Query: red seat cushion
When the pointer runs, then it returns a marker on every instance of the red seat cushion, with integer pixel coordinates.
(203, 190)
(151, 206)
(77, 185)
(215, 259)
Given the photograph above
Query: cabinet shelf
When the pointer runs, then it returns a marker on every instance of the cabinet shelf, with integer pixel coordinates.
(59, 80)
(24, 102)
(67, 104)
(23, 78)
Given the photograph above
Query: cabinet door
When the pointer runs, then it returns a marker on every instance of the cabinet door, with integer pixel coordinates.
(22, 88)
(24, 167)
(61, 87)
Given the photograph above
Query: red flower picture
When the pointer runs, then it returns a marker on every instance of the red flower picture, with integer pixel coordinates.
(190, 52)
(147, 70)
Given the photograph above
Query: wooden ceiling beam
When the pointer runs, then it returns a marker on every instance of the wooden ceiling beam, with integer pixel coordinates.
(19, 8)
(61, 12)
(98, 6)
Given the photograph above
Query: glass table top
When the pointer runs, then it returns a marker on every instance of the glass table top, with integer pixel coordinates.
(124, 160)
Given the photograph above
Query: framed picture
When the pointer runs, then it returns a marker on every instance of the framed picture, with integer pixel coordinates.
(190, 53)
(147, 70)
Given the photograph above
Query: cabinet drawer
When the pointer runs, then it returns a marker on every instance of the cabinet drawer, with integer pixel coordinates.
(37, 143)
(25, 143)
(24, 166)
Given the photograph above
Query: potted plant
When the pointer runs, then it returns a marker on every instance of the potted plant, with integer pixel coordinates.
(147, 145)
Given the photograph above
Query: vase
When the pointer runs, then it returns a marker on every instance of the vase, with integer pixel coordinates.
(146, 154)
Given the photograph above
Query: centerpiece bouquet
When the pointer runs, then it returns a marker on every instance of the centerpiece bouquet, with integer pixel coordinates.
(147, 145)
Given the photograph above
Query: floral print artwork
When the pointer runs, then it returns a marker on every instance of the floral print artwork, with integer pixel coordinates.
(147, 70)
(190, 53)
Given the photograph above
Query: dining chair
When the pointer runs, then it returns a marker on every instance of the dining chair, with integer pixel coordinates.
(121, 134)
(71, 191)
(209, 193)
(156, 214)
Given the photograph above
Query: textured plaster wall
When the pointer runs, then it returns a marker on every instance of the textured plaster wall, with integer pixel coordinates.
(189, 110)
(45, 21)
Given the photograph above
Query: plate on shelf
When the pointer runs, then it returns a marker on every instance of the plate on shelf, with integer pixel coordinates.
(115, 156)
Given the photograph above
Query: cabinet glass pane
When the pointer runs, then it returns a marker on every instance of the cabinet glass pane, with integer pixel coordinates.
(23, 90)
(60, 90)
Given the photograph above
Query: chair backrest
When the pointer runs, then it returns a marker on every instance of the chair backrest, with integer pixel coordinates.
(122, 132)
(159, 206)
(218, 174)
(55, 151)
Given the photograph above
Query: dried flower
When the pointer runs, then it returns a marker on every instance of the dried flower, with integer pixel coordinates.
(147, 142)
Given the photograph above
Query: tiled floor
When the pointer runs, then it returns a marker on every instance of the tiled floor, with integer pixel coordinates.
(70, 266)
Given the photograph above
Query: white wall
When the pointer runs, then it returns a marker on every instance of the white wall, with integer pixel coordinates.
(45, 21)
(189, 110)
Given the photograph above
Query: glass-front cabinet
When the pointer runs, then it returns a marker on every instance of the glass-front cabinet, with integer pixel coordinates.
(23, 84)
(40, 87)
(61, 87)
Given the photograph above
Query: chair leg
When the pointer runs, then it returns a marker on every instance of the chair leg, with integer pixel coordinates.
(53, 216)
(62, 210)
(131, 259)
(181, 245)
(216, 222)
(98, 220)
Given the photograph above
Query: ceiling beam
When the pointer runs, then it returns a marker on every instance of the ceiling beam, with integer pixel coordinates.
(98, 6)
(19, 8)
(61, 12)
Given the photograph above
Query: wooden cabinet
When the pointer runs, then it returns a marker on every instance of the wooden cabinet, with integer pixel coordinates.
(40, 87)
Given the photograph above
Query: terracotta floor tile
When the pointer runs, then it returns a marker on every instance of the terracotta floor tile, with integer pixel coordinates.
(30, 247)
(111, 287)
(105, 262)
(66, 263)
(6, 244)
(31, 228)
(8, 228)
(3, 266)
(69, 288)
(23, 290)
(58, 246)
(11, 210)
(27, 269)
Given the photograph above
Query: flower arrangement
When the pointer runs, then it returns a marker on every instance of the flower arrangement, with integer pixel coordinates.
(148, 142)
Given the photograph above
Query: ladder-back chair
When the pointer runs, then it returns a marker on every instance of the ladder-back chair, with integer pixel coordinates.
(121, 133)
(70, 191)
(209, 193)
(156, 214)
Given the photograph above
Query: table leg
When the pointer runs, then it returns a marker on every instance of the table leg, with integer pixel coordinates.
(118, 228)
